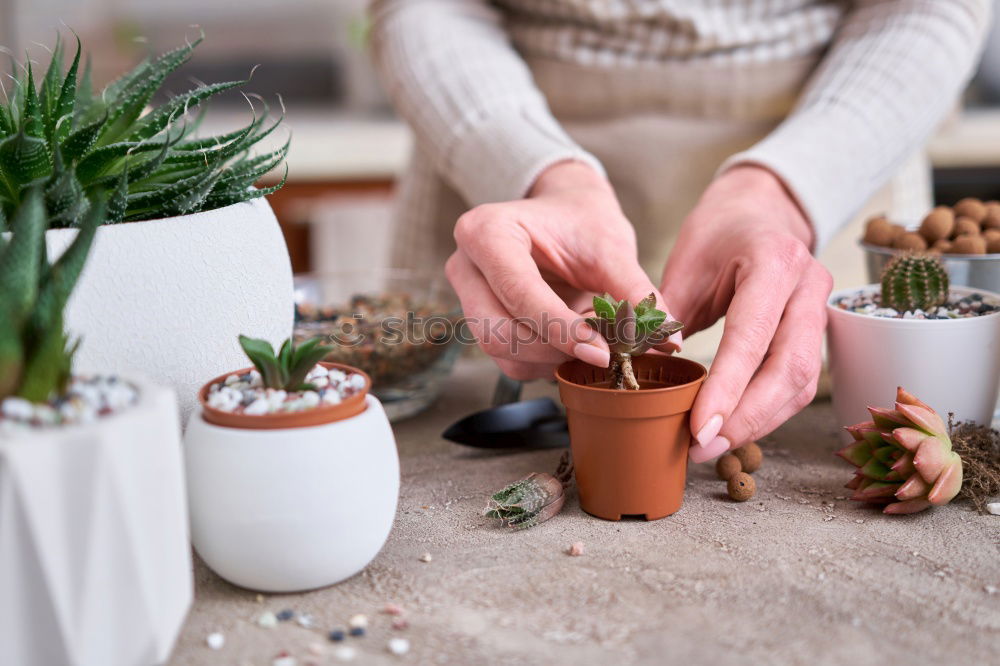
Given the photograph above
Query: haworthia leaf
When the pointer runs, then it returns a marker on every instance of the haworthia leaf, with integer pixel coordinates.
(23, 159)
(159, 119)
(31, 115)
(20, 265)
(64, 108)
(80, 141)
(101, 160)
(118, 202)
(64, 196)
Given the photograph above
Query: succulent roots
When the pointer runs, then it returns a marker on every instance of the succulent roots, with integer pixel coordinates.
(622, 375)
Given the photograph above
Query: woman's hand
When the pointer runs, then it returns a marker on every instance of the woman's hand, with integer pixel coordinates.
(525, 270)
(743, 252)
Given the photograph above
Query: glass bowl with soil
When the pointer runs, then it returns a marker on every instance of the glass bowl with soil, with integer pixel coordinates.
(402, 327)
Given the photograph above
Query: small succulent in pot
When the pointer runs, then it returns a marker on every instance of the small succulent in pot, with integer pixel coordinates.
(286, 370)
(914, 282)
(630, 331)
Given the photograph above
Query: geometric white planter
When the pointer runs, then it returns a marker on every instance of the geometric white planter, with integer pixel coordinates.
(95, 562)
(951, 364)
(167, 298)
(292, 509)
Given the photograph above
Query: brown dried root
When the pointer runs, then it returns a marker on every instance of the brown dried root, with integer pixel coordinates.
(979, 448)
(622, 375)
(532, 500)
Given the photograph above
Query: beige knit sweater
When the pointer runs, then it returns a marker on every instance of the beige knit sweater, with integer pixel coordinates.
(890, 71)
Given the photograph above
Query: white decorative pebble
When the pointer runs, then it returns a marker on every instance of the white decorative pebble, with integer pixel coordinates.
(320, 382)
(990, 589)
(317, 649)
(319, 371)
(356, 381)
(337, 376)
(215, 640)
(310, 399)
(358, 621)
(232, 379)
(268, 620)
(285, 661)
(344, 653)
(575, 549)
(306, 620)
(257, 407)
(426, 557)
(331, 397)
(399, 646)
(17, 408)
(994, 508)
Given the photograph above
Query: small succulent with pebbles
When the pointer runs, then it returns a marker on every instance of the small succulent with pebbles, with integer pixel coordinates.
(287, 381)
(630, 331)
(532, 500)
(914, 282)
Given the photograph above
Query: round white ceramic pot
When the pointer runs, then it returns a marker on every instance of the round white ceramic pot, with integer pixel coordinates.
(169, 297)
(292, 509)
(951, 364)
(95, 562)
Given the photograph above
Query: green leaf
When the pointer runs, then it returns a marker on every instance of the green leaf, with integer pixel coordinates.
(49, 96)
(21, 262)
(163, 116)
(85, 102)
(23, 160)
(81, 140)
(106, 158)
(31, 115)
(604, 307)
(305, 359)
(64, 196)
(118, 203)
(64, 108)
(261, 354)
(229, 198)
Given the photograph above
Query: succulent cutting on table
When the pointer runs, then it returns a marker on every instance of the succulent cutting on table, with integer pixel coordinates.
(904, 458)
(630, 331)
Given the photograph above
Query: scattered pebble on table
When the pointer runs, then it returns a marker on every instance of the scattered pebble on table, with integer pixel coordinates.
(575, 549)
(990, 589)
(400, 623)
(267, 619)
(306, 621)
(426, 557)
(215, 640)
(284, 659)
(336, 635)
(317, 649)
(357, 631)
(344, 653)
(994, 508)
(286, 615)
(358, 621)
(392, 609)
(399, 646)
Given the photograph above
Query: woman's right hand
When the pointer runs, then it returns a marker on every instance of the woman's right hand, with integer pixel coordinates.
(526, 270)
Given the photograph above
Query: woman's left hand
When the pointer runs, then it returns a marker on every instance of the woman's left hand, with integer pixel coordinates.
(743, 252)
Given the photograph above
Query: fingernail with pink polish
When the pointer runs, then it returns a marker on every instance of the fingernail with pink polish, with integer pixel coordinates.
(677, 339)
(709, 430)
(713, 449)
(592, 355)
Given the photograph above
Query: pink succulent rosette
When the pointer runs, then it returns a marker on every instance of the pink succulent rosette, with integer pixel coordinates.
(904, 458)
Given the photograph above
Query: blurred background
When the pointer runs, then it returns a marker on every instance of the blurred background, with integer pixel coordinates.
(348, 147)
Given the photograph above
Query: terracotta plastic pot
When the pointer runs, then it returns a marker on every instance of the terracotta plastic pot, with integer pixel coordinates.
(630, 447)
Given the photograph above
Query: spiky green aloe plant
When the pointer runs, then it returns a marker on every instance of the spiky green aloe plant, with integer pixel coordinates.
(287, 369)
(904, 458)
(914, 282)
(532, 500)
(630, 331)
(35, 352)
(59, 133)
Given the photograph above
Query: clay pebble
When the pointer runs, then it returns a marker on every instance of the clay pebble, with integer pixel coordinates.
(741, 487)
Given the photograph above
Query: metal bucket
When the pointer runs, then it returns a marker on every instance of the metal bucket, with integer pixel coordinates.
(981, 271)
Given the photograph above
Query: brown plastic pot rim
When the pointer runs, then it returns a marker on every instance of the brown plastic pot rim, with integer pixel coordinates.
(642, 391)
(320, 415)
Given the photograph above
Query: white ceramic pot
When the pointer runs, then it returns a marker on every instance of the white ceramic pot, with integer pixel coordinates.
(951, 364)
(168, 298)
(95, 562)
(292, 509)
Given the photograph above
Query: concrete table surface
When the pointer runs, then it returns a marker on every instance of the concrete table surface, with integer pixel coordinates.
(797, 575)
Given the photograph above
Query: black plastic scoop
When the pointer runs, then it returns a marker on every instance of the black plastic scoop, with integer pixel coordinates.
(532, 424)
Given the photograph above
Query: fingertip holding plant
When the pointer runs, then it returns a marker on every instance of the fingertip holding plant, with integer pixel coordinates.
(630, 331)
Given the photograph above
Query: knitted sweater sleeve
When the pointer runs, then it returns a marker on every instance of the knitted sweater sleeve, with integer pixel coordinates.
(469, 97)
(893, 71)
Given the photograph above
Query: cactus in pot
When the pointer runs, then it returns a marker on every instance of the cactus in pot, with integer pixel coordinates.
(79, 142)
(914, 282)
(630, 331)
(35, 351)
(904, 458)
